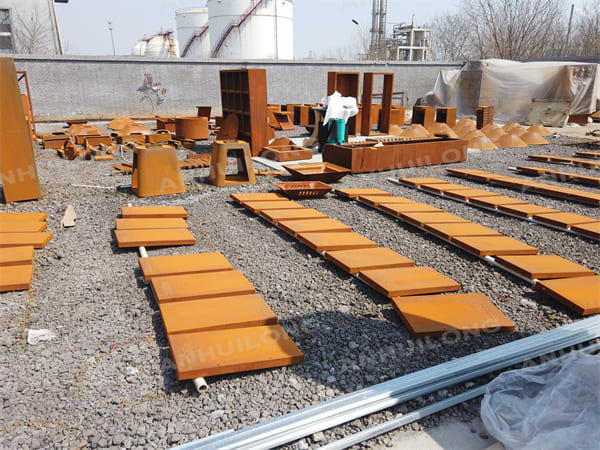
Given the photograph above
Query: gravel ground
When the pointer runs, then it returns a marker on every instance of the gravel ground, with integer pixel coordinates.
(107, 380)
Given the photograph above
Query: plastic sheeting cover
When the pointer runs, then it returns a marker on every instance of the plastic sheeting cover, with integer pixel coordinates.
(510, 87)
(555, 405)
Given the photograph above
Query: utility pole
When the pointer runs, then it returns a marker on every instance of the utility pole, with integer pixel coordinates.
(111, 37)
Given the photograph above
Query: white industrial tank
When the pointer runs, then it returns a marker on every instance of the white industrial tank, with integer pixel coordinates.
(162, 45)
(192, 32)
(139, 49)
(251, 29)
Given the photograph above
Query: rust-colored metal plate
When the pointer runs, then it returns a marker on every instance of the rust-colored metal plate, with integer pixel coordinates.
(496, 201)
(37, 240)
(467, 194)
(376, 200)
(228, 351)
(335, 241)
(216, 314)
(150, 224)
(452, 230)
(544, 267)
(398, 209)
(200, 285)
(357, 192)
(354, 261)
(22, 227)
(401, 281)
(581, 294)
(588, 229)
(434, 315)
(140, 212)
(494, 245)
(278, 215)
(526, 210)
(421, 218)
(295, 227)
(154, 238)
(15, 278)
(416, 182)
(16, 256)
(23, 216)
(304, 189)
(257, 207)
(256, 197)
(440, 188)
(564, 220)
(155, 266)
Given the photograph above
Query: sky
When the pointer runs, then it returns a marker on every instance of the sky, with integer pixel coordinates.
(322, 28)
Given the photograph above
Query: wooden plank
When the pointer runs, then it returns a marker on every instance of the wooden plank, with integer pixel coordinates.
(150, 224)
(154, 238)
(140, 212)
(37, 240)
(15, 278)
(402, 281)
(153, 266)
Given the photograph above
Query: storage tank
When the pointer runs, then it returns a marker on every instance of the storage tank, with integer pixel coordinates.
(139, 49)
(193, 33)
(251, 29)
(162, 45)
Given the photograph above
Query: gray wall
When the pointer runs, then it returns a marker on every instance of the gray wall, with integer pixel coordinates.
(68, 87)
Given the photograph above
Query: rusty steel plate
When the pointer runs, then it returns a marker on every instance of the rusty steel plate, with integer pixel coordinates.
(526, 210)
(295, 227)
(16, 256)
(581, 294)
(140, 212)
(440, 188)
(154, 238)
(564, 220)
(195, 286)
(335, 241)
(436, 315)
(416, 182)
(219, 352)
(15, 278)
(494, 245)
(496, 201)
(36, 239)
(256, 197)
(216, 314)
(150, 224)
(543, 267)
(588, 229)
(451, 230)
(154, 266)
(22, 227)
(398, 209)
(376, 200)
(357, 192)
(257, 207)
(421, 218)
(466, 194)
(23, 216)
(278, 215)
(354, 261)
(401, 281)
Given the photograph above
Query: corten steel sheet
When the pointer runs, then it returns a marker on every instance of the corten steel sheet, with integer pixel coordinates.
(295, 227)
(140, 212)
(196, 286)
(421, 218)
(279, 215)
(16, 256)
(544, 267)
(376, 200)
(581, 294)
(18, 172)
(219, 313)
(36, 239)
(595, 155)
(401, 281)
(256, 197)
(441, 187)
(154, 266)
(588, 229)
(564, 220)
(285, 153)
(398, 209)
(15, 278)
(23, 216)
(357, 192)
(416, 182)
(494, 245)
(324, 171)
(304, 189)
(259, 206)
(365, 158)
(335, 241)
(156, 171)
(452, 230)
(434, 315)
(495, 201)
(568, 161)
(154, 238)
(195, 128)
(149, 224)
(220, 352)
(526, 210)
(22, 227)
(467, 194)
(354, 261)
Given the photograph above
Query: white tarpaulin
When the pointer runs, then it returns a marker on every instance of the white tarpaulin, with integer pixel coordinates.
(510, 86)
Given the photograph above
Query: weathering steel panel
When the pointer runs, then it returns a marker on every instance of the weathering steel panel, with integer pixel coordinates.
(527, 210)
(22, 227)
(37, 239)
(183, 264)
(256, 197)
(154, 238)
(257, 207)
(450, 230)
(422, 218)
(149, 224)
(408, 281)
(335, 241)
(278, 215)
(354, 261)
(140, 212)
(494, 245)
(16, 256)
(15, 278)
(543, 266)
(296, 227)
(581, 294)
(353, 193)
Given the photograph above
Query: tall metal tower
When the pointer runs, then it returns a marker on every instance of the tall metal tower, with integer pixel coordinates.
(378, 29)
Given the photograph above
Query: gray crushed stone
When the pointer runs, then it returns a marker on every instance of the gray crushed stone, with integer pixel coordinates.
(108, 380)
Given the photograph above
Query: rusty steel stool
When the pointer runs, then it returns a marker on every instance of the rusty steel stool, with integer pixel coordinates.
(218, 163)
(156, 172)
